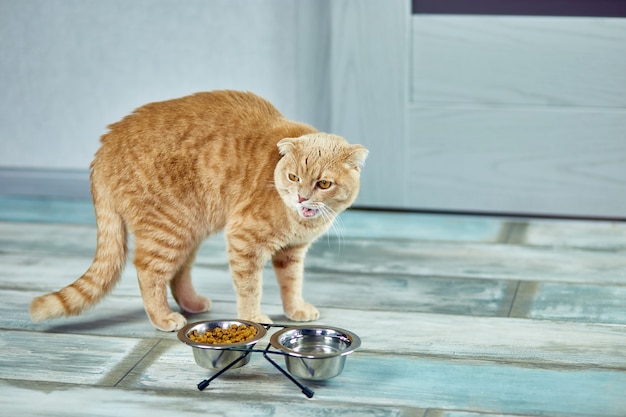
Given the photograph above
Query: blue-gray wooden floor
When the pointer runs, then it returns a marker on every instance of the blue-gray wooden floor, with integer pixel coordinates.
(460, 316)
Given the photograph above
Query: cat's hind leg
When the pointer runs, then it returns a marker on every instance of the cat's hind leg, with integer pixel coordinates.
(157, 262)
(183, 291)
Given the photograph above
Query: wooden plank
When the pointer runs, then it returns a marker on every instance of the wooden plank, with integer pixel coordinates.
(446, 413)
(408, 277)
(506, 60)
(399, 294)
(362, 256)
(490, 338)
(119, 316)
(445, 295)
(553, 301)
(48, 210)
(408, 381)
(76, 359)
(80, 240)
(401, 380)
(45, 209)
(518, 160)
(470, 260)
(594, 235)
(48, 239)
(17, 236)
(53, 400)
(50, 269)
(356, 224)
(48, 272)
(40, 272)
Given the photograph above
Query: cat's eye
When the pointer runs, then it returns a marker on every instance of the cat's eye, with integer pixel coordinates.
(294, 177)
(324, 184)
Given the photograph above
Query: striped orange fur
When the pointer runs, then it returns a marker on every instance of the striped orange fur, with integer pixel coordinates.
(173, 172)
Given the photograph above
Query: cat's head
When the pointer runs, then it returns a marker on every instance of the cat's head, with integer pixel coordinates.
(318, 174)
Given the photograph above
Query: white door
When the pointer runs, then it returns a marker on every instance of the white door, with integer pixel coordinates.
(497, 114)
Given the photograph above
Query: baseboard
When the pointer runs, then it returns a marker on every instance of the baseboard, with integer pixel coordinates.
(45, 183)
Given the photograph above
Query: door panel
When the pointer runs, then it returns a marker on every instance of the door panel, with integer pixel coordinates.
(523, 115)
(526, 161)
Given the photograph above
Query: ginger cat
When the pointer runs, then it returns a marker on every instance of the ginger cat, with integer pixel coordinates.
(173, 172)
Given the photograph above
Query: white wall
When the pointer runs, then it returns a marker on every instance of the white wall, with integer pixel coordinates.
(70, 67)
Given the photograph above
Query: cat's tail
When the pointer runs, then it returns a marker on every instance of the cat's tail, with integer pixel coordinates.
(101, 276)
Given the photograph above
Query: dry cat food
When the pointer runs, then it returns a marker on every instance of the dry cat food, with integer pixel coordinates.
(218, 336)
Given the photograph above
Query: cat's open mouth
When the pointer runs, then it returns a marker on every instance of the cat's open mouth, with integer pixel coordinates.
(308, 212)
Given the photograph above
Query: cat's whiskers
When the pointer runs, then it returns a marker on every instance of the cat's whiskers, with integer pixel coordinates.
(332, 217)
(338, 229)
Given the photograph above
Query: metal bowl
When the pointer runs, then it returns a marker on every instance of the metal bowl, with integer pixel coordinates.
(218, 356)
(315, 353)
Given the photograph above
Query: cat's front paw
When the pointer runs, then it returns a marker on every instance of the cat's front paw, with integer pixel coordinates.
(170, 323)
(304, 312)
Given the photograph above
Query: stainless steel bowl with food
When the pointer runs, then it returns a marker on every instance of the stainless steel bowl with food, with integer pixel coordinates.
(218, 343)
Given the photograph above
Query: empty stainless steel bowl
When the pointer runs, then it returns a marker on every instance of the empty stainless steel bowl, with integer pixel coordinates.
(214, 356)
(315, 352)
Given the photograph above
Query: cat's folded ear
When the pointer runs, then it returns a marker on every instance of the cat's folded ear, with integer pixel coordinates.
(285, 145)
(357, 155)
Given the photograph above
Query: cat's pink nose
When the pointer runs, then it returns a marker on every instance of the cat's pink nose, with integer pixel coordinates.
(301, 199)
